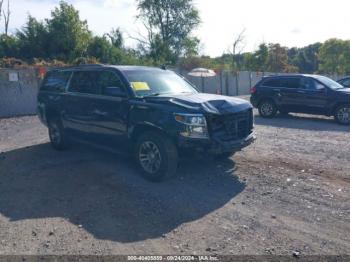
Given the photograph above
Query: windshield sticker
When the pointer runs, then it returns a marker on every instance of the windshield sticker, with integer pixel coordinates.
(140, 86)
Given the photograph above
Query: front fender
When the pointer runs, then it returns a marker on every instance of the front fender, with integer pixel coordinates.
(152, 116)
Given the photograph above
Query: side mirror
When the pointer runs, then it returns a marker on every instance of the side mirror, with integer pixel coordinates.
(114, 91)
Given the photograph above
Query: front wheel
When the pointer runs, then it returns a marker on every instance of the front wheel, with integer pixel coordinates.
(267, 109)
(157, 156)
(342, 115)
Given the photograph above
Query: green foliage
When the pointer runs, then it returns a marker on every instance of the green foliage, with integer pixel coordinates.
(32, 39)
(102, 49)
(306, 58)
(277, 60)
(68, 36)
(9, 46)
(116, 37)
(169, 24)
(335, 57)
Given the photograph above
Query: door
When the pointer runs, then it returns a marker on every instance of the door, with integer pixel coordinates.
(79, 101)
(291, 94)
(110, 110)
(315, 98)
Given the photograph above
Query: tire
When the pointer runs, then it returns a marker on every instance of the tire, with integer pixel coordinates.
(342, 115)
(157, 156)
(224, 156)
(58, 138)
(267, 109)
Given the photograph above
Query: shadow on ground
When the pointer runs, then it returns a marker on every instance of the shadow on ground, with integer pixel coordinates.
(302, 121)
(105, 195)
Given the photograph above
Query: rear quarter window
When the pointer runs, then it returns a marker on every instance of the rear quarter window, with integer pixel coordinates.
(56, 81)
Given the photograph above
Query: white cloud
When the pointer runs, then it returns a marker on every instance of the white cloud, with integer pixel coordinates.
(289, 22)
(271, 21)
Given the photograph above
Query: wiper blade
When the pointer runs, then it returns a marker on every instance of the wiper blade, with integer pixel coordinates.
(152, 95)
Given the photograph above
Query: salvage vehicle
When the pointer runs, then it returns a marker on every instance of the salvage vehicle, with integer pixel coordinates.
(152, 113)
(310, 94)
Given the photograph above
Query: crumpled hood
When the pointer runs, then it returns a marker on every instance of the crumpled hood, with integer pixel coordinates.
(214, 104)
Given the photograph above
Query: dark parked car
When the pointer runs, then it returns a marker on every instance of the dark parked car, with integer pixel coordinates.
(152, 113)
(311, 94)
(345, 81)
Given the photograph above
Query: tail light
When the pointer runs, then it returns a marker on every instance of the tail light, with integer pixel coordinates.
(253, 90)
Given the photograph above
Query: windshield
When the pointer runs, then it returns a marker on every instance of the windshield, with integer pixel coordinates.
(154, 83)
(329, 82)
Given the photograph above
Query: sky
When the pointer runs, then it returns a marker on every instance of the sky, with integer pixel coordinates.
(288, 22)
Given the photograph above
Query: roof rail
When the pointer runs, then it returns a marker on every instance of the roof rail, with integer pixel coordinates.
(90, 65)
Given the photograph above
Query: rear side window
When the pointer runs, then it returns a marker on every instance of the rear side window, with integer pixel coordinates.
(286, 82)
(273, 82)
(56, 81)
(293, 82)
(84, 82)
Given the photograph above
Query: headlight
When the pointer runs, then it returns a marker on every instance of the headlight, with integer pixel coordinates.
(195, 125)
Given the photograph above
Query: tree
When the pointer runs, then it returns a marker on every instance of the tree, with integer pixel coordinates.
(335, 57)
(68, 36)
(169, 24)
(9, 46)
(1, 4)
(306, 58)
(33, 39)
(237, 49)
(190, 47)
(104, 51)
(6, 15)
(277, 60)
(261, 57)
(116, 37)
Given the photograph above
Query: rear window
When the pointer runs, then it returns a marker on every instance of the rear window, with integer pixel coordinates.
(56, 81)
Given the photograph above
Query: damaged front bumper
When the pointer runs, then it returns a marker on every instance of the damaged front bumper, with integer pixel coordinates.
(215, 147)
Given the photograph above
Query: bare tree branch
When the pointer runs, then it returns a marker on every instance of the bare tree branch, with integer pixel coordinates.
(141, 39)
(1, 3)
(237, 47)
(7, 17)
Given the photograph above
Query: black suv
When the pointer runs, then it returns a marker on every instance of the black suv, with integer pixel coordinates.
(152, 113)
(311, 94)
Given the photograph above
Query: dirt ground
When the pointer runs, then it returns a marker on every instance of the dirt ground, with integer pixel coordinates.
(290, 191)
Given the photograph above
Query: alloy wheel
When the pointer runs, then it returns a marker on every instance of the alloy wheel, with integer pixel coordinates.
(150, 157)
(343, 115)
(266, 109)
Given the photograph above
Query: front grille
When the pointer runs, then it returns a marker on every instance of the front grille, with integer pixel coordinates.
(231, 126)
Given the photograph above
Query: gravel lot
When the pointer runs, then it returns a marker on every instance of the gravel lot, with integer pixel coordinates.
(287, 192)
